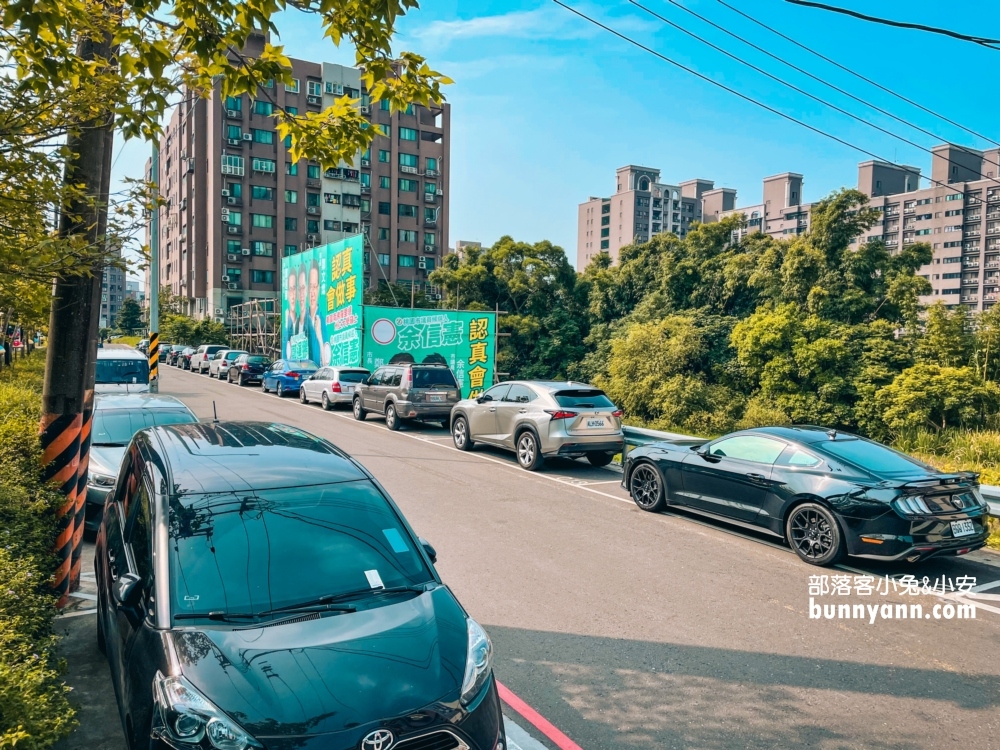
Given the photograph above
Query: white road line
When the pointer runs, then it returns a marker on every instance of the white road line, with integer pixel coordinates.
(81, 595)
(77, 613)
(518, 739)
(985, 587)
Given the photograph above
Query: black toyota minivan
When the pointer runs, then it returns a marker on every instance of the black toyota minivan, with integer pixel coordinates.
(257, 588)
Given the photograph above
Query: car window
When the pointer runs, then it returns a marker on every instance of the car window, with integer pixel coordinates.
(122, 371)
(258, 360)
(139, 533)
(247, 552)
(302, 364)
(578, 398)
(497, 392)
(117, 426)
(352, 376)
(795, 456)
(376, 379)
(871, 456)
(433, 377)
(397, 377)
(754, 448)
(519, 394)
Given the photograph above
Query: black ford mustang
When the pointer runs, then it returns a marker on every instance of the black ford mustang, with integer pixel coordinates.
(826, 493)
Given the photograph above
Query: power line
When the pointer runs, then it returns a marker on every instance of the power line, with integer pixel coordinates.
(980, 40)
(742, 96)
(856, 74)
(814, 77)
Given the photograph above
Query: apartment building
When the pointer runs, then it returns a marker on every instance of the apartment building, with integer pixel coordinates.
(135, 291)
(640, 208)
(235, 202)
(113, 293)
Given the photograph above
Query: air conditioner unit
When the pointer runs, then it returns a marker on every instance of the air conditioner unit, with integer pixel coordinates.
(422, 263)
(365, 109)
(245, 251)
(225, 211)
(248, 136)
(232, 113)
(234, 229)
(428, 249)
(225, 279)
(225, 193)
(232, 258)
(184, 154)
(407, 170)
(234, 286)
(232, 201)
(312, 100)
(312, 210)
(218, 311)
(234, 141)
(312, 237)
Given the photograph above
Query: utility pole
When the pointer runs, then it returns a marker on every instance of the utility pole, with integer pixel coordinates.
(154, 275)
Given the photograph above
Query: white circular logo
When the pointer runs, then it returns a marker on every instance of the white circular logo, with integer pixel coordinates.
(380, 739)
(383, 331)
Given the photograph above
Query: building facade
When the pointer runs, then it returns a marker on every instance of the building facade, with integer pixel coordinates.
(113, 292)
(135, 291)
(235, 202)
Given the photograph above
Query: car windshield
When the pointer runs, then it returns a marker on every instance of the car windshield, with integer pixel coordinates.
(303, 364)
(580, 399)
(117, 426)
(433, 376)
(230, 356)
(252, 552)
(122, 371)
(877, 459)
(356, 376)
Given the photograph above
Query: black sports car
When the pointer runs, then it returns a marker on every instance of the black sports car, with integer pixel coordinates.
(826, 493)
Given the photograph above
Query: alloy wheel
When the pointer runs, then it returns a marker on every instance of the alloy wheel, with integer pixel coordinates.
(280, 390)
(527, 451)
(460, 433)
(644, 486)
(326, 401)
(811, 534)
(302, 395)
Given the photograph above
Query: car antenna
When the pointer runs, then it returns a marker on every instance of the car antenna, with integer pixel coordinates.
(831, 433)
(215, 414)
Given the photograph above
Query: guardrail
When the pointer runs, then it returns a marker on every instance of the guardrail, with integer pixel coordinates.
(637, 436)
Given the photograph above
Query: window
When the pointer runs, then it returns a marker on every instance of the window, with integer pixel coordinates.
(432, 164)
(604, 244)
(794, 456)
(954, 197)
(366, 179)
(331, 225)
(261, 193)
(384, 208)
(263, 136)
(407, 235)
(408, 186)
(293, 87)
(583, 399)
(232, 165)
(383, 233)
(292, 110)
(235, 218)
(263, 249)
(291, 196)
(386, 130)
(407, 134)
(351, 200)
(234, 103)
(235, 189)
(954, 259)
(366, 206)
(312, 171)
(291, 249)
(264, 165)
(234, 132)
(291, 224)
(383, 182)
(406, 261)
(312, 199)
(265, 221)
(870, 456)
(923, 231)
(605, 232)
(519, 394)
(291, 169)
(408, 160)
(262, 277)
(383, 156)
(233, 246)
(407, 210)
(430, 188)
(383, 259)
(261, 107)
(430, 238)
(951, 275)
(313, 88)
(384, 105)
(312, 226)
(139, 536)
(430, 215)
(754, 448)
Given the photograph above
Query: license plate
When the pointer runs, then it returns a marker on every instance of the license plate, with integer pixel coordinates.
(435, 398)
(348, 389)
(596, 423)
(962, 528)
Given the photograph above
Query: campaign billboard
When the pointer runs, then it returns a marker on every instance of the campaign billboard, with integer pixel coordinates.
(462, 339)
(321, 296)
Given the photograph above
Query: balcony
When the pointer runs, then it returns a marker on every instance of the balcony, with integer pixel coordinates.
(989, 297)
(970, 282)
(971, 263)
(970, 298)
(972, 232)
(906, 211)
(317, 184)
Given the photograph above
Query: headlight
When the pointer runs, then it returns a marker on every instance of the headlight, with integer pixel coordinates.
(477, 662)
(979, 497)
(189, 718)
(913, 505)
(100, 480)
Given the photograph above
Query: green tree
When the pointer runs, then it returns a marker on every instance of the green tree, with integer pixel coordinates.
(936, 397)
(398, 295)
(129, 315)
(178, 329)
(946, 339)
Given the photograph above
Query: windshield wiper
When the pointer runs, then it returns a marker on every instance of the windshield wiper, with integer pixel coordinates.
(328, 599)
(110, 445)
(215, 615)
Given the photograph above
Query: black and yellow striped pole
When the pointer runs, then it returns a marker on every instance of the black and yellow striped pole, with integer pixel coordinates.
(154, 360)
(153, 293)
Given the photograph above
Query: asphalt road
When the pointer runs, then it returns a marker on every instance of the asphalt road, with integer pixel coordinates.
(631, 630)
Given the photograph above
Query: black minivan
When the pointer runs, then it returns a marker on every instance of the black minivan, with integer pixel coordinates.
(257, 588)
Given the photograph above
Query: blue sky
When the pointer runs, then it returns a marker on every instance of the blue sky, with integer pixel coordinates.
(546, 106)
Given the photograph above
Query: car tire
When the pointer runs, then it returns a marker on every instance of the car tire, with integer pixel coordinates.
(280, 390)
(813, 532)
(392, 420)
(529, 456)
(241, 380)
(325, 401)
(600, 458)
(303, 398)
(460, 434)
(359, 410)
(646, 487)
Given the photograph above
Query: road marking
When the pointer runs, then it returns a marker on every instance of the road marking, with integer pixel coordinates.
(77, 613)
(518, 739)
(985, 587)
(538, 721)
(81, 595)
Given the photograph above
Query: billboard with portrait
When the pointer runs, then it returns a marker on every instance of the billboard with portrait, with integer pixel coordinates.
(321, 295)
(462, 339)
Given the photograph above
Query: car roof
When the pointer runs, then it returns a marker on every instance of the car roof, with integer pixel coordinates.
(137, 401)
(245, 456)
(553, 385)
(804, 433)
(107, 353)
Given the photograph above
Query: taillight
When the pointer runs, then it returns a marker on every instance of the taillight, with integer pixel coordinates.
(617, 413)
(335, 388)
(559, 414)
(408, 382)
(246, 366)
(292, 374)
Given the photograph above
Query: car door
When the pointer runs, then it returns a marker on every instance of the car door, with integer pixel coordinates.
(276, 369)
(139, 549)
(513, 404)
(391, 379)
(730, 476)
(483, 414)
(113, 564)
(318, 382)
(368, 392)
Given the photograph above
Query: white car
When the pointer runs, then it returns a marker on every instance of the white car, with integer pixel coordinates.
(121, 371)
(203, 356)
(332, 385)
(219, 366)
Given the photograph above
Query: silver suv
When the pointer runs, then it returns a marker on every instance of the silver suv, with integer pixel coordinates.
(541, 418)
(407, 391)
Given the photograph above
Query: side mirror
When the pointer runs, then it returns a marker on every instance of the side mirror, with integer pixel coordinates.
(484, 398)
(431, 552)
(126, 589)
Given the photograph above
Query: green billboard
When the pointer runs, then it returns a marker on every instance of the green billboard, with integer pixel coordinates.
(321, 295)
(464, 340)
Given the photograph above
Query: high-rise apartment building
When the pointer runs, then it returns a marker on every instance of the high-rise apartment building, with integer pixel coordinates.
(112, 294)
(640, 208)
(236, 203)
(135, 291)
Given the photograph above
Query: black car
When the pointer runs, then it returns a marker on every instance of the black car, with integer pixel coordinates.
(171, 353)
(248, 368)
(183, 360)
(257, 588)
(826, 493)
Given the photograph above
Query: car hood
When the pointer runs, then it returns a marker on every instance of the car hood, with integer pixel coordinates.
(337, 673)
(106, 459)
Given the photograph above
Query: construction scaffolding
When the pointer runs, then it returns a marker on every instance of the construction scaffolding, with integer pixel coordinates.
(255, 327)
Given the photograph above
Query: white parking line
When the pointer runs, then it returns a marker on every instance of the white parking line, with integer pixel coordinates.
(77, 613)
(81, 595)
(518, 739)
(985, 587)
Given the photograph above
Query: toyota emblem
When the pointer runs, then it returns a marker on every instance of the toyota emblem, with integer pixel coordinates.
(380, 739)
